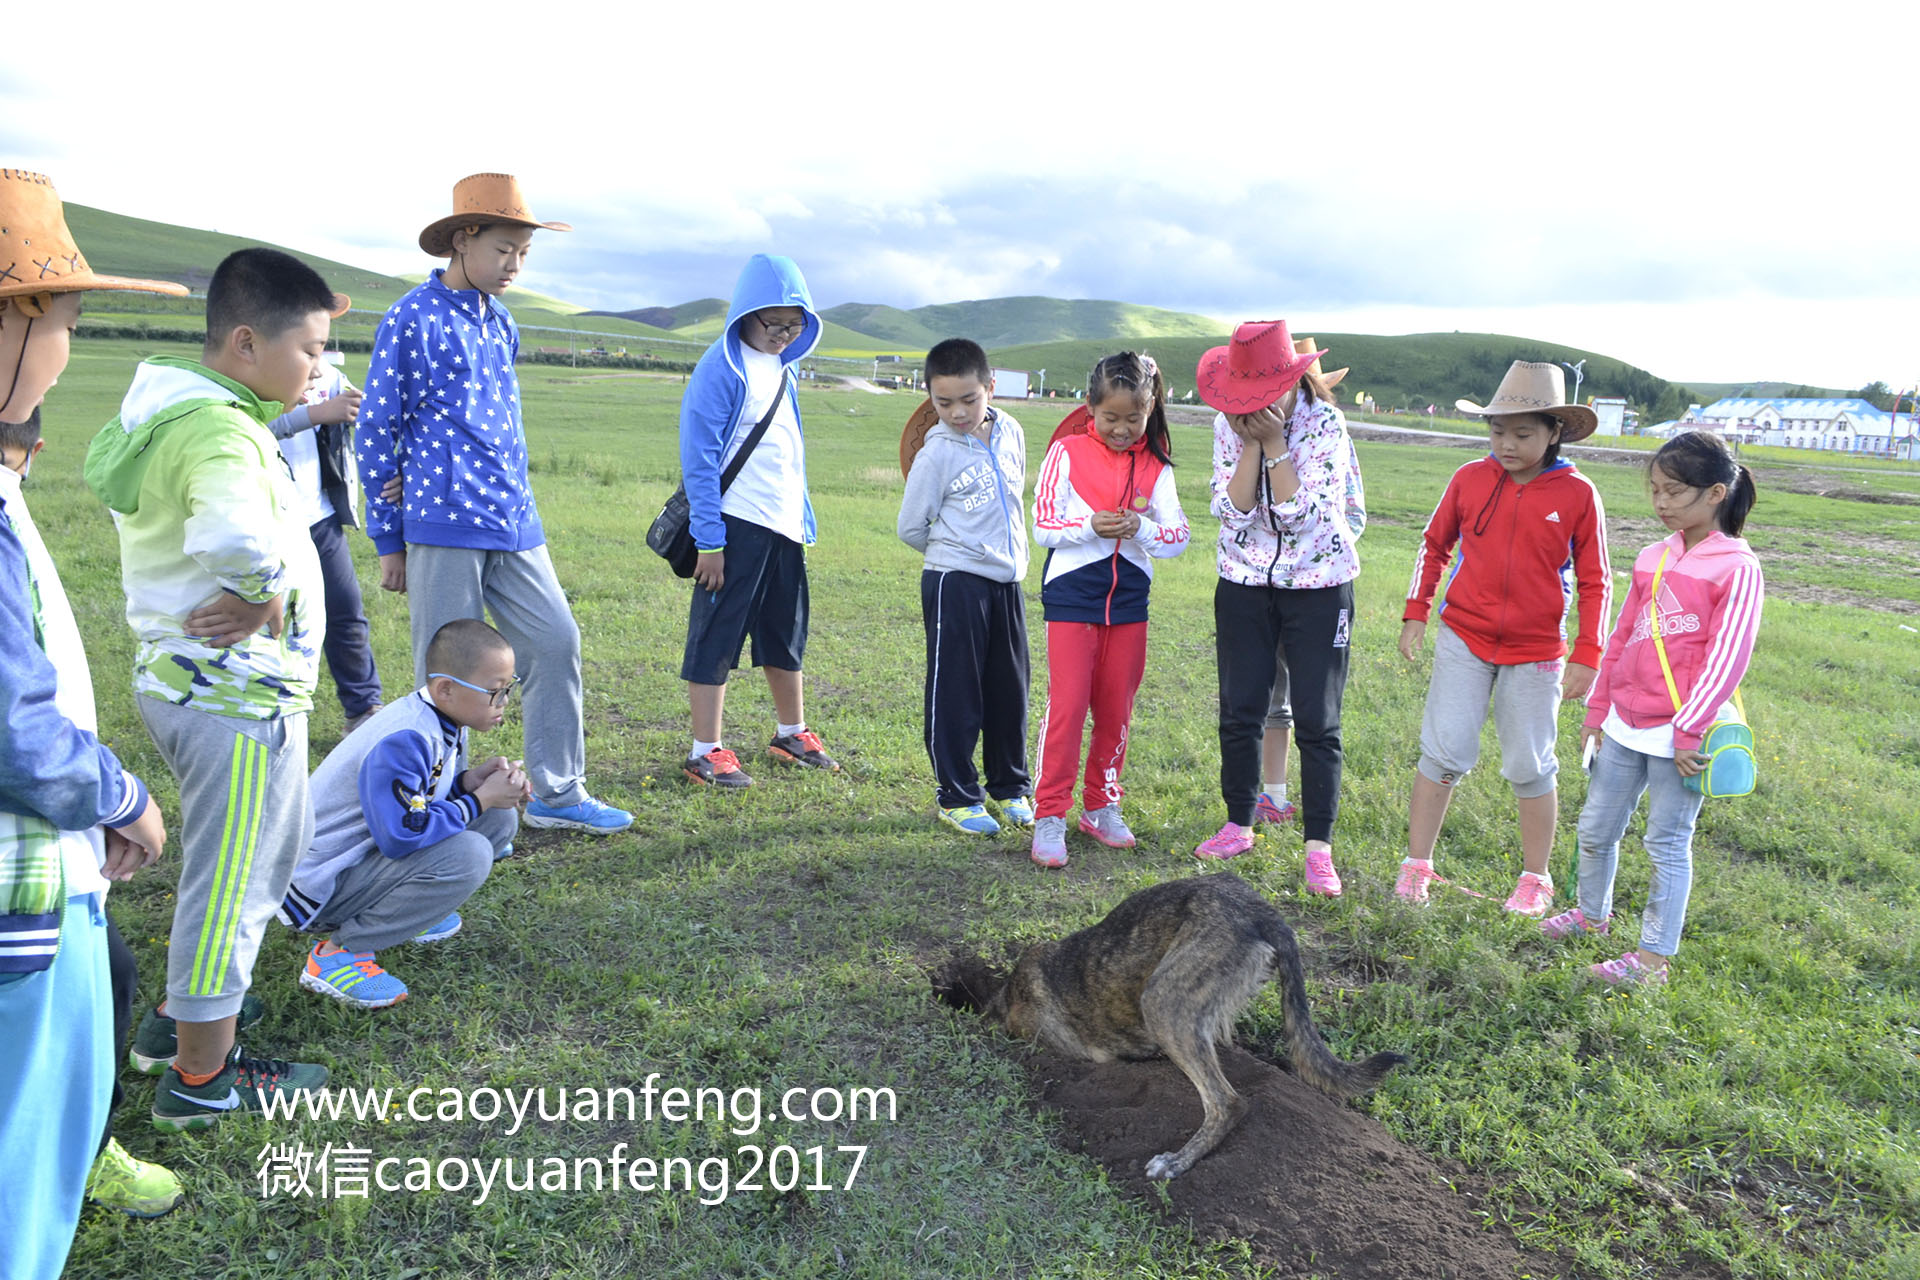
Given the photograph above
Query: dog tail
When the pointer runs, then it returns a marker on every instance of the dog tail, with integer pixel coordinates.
(1315, 1063)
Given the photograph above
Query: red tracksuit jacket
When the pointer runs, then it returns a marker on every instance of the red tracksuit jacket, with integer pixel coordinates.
(1523, 548)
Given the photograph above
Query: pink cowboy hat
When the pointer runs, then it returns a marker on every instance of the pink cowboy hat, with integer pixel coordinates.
(1258, 367)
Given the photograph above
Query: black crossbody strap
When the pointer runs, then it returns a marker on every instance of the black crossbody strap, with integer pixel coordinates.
(753, 438)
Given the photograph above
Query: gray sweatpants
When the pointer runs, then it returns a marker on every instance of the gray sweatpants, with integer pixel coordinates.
(521, 592)
(244, 821)
(1526, 708)
(384, 901)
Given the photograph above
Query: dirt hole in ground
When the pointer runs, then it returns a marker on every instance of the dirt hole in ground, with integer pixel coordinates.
(1315, 1187)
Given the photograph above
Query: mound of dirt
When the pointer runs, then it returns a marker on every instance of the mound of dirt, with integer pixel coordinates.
(1314, 1186)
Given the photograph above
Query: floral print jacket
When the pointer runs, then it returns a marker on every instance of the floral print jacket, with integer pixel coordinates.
(1308, 540)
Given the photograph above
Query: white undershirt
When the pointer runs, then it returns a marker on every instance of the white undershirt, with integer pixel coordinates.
(769, 490)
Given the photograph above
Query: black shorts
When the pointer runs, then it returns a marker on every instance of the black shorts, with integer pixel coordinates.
(764, 596)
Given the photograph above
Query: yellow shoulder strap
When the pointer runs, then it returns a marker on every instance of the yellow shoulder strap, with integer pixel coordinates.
(1653, 621)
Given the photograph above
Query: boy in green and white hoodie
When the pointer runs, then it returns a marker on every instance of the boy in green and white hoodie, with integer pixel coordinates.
(224, 594)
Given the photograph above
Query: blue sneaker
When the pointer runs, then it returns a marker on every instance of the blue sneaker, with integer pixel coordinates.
(504, 852)
(442, 931)
(589, 815)
(1018, 811)
(972, 819)
(352, 976)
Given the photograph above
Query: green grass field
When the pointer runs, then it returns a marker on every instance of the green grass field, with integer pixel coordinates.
(1759, 1118)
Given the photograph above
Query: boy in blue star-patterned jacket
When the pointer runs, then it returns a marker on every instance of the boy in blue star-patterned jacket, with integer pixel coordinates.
(442, 411)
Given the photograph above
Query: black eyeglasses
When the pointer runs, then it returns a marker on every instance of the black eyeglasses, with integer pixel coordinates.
(496, 697)
(781, 330)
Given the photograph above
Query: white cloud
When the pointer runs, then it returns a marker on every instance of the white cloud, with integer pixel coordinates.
(1691, 188)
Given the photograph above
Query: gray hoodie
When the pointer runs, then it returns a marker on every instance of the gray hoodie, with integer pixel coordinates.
(965, 501)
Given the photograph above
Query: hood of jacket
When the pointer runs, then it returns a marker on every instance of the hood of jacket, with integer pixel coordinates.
(770, 280)
(165, 388)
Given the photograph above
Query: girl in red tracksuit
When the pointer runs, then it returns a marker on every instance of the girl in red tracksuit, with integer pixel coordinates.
(1105, 509)
(1529, 530)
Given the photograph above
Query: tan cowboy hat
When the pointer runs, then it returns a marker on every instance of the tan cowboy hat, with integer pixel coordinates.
(478, 200)
(1329, 380)
(37, 252)
(915, 434)
(1535, 386)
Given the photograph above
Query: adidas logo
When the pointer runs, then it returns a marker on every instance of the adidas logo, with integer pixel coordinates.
(1553, 517)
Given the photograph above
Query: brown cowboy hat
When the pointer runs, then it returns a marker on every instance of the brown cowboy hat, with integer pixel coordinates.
(915, 434)
(37, 252)
(1535, 386)
(1328, 380)
(480, 199)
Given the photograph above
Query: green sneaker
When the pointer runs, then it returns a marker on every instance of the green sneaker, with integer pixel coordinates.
(242, 1085)
(157, 1040)
(119, 1181)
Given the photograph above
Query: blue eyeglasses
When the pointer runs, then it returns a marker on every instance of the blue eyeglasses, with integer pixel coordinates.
(496, 697)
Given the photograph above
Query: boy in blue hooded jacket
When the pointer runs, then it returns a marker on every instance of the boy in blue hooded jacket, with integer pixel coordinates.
(461, 535)
(751, 576)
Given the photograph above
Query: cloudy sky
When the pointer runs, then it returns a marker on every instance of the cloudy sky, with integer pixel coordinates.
(1714, 200)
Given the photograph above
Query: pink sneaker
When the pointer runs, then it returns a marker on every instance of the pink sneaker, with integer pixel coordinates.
(1265, 810)
(1627, 971)
(1533, 896)
(1415, 875)
(1229, 841)
(1321, 877)
(1570, 922)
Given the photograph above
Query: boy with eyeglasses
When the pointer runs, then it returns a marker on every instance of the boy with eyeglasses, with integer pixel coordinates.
(751, 576)
(404, 832)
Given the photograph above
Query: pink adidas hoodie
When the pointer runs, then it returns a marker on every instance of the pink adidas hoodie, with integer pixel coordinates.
(1709, 612)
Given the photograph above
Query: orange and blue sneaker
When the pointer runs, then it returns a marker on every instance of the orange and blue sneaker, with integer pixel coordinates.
(1265, 810)
(352, 976)
(804, 748)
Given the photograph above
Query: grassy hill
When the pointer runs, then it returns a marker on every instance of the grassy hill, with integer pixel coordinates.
(1006, 322)
(1409, 371)
(687, 313)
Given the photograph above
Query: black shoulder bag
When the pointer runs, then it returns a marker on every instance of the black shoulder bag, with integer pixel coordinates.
(671, 534)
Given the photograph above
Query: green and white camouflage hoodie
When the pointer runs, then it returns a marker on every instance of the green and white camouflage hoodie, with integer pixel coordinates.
(204, 504)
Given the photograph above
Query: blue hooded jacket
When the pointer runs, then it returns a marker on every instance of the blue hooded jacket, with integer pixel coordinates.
(712, 423)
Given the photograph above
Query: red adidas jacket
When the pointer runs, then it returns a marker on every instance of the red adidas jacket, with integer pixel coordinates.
(1523, 548)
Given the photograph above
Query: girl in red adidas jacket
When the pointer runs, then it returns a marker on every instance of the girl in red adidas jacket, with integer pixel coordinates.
(1105, 509)
(1529, 532)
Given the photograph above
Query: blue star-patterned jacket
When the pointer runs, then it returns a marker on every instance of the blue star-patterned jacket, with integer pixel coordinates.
(443, 408)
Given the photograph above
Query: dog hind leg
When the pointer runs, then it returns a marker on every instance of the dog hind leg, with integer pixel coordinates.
(1174, 1011)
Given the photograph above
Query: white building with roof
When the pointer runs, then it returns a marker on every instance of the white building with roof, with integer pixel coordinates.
(1833, 426)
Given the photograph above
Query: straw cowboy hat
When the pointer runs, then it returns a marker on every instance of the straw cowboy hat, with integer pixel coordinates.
(37, 252)
(481, 199)
(1534, 386)
(1327, 380)
(1260, 365)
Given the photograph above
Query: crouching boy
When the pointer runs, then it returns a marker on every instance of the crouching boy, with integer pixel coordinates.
(403, 831)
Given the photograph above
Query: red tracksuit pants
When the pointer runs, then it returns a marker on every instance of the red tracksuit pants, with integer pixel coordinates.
(1089, 668)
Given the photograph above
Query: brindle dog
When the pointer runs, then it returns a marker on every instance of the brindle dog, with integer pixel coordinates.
(1167, 972)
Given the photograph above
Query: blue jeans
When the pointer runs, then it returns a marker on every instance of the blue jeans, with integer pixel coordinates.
(1620, 776)
(349, 653)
